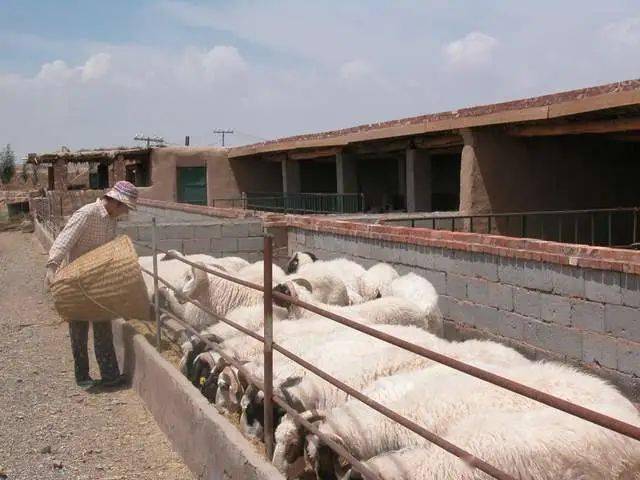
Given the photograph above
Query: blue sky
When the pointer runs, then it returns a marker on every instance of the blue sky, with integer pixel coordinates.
(93, 73)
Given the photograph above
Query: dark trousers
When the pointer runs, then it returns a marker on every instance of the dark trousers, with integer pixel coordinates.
(102, 344)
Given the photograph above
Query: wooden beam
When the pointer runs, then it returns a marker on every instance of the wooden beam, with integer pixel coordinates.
(625, 137)
(316, 153)
(577, 128)
(439, 142)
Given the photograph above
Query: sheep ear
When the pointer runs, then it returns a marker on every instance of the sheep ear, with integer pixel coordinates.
(303, 282)
(171, 254)
(291, 382)
(198, 274)
(312, 256)
(314, 415)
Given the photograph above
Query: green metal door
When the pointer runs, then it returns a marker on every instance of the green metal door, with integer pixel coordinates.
(192, 185)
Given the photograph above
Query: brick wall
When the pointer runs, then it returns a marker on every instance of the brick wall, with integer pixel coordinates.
(571, 303)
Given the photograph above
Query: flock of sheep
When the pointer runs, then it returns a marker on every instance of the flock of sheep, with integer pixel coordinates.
(519, 436)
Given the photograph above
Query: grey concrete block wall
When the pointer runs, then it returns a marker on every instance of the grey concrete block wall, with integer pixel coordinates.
(192, 234)
(548, 311)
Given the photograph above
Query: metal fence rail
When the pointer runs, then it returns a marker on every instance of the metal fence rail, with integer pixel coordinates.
(612, 227)
(326, 203)
(266, 384)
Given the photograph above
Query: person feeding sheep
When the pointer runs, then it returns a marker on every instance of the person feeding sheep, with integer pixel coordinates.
(88, 228)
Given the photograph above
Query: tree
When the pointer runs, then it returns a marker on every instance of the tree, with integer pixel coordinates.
(7, 164)
(24, 174)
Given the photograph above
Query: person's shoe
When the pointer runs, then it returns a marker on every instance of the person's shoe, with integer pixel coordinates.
(85, 383)
(113, 382)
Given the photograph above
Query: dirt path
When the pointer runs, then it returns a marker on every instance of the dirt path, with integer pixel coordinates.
(50, 429)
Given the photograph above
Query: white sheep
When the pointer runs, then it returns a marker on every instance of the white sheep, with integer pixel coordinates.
(254, 273)
(229, 264)
(420, 291)
(389, 310)
(347, 270)
(354, 359)
(398, 389)
(439, 397)
(298, 260)
(539, 444)
(376, 282)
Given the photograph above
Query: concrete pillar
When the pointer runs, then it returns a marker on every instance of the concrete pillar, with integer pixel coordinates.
(418, 178)
(346, 174)
(290, 176)
(402, 177)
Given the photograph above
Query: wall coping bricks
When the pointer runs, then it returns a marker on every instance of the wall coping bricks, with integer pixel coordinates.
(202, 209)
(598, 258)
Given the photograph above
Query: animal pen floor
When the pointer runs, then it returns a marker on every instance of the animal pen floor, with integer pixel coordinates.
(89, 435)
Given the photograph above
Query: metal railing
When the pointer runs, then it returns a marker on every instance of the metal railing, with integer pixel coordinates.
(266, 384)
(612, 227)
(326, 203)
(48, 217)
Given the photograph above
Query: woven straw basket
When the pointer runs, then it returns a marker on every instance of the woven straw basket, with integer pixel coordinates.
(102, 284)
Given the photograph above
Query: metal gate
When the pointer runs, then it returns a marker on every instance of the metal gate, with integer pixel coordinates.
(192, 185)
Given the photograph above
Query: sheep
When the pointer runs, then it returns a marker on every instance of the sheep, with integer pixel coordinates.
(255, 273)
(368, 360)
(419, 290)
(218, 294)
(349, 271)
(389, 310)
(396, 388)
(437, 398)
(251, 318)
(376, 281)
(298, 260)
(229, 264)
(327, 284)
(541, 444)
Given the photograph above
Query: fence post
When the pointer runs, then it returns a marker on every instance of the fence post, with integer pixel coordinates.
(156, 297)
(268, 346)
(243, 205)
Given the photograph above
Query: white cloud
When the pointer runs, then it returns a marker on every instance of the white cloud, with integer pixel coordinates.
(56, 72)
(355, 70)
(625, 32)
(223, 62)
(273, 69)
(95, 67)
(473, 50)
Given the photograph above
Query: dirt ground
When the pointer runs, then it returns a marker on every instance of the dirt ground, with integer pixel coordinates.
(49, 428)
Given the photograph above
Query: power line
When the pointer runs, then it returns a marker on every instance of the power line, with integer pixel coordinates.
(222, 132)
(149, 139)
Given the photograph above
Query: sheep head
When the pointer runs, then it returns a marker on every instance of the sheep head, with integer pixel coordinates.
(324, 461)
(230, 389)
(202, 366)
(298, 260)
(297, 288)
(290, 436)
(170, 255)
(196, 283)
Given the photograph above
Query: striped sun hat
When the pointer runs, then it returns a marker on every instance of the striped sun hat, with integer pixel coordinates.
(124, 192)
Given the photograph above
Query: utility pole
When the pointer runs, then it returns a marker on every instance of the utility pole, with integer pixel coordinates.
(222, 132)
(149, 139)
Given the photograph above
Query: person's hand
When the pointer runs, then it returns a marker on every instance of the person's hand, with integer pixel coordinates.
(49, 277)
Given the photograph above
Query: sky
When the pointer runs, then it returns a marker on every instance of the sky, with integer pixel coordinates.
(90, 73)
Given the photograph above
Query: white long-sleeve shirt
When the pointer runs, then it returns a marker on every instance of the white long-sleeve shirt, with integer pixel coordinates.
(88, 228)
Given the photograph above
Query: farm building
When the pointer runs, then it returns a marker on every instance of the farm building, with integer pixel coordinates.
(569, 150)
